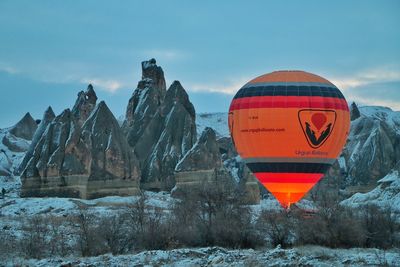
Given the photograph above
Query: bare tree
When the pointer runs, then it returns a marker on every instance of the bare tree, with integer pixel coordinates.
(58, 236)
(277, 225)
(113, 230)
(35, 235)
(86, 235)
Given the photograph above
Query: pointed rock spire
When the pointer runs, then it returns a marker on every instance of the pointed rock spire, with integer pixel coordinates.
(354, 111)
(204, 155)
(48, 117)
(84, 104)
(176, 93)
(160, 126)
(25, 128)
(145, 101)
(150, 71)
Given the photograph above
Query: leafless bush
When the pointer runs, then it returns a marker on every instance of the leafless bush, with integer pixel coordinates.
(211, 214)
(149, 226)
(34, 242)
(381, 227)
(331, 225)
(59, 236)
(277, 225)
(9, 246)
(113, 232)
(87, 234)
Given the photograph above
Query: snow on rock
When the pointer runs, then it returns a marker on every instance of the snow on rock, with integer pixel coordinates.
(385, 195)
(11, 151)
(342, 163)
(5, 164)
(371, 150)
(217, 121)
(392, 118)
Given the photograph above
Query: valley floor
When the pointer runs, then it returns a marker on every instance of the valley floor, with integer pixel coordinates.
(216, 256)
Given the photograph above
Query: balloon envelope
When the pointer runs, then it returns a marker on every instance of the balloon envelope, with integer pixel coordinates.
(289, 127)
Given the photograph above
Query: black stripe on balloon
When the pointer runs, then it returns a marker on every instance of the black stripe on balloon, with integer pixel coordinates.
(288, 167)
(272, 90)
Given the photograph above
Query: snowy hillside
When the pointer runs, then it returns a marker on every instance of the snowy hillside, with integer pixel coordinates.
(217, 121)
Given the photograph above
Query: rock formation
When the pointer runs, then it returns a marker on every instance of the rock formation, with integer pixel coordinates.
(203, 156)
(14, 142)
(81, 153)
(247, 184)
(25, 128)
(385, 195)
(371, 152)
(5, 164)
(160, 126)
(145, 101)
(372, 149)
(84, 104)
(48, 116)
(354, 112)
(203, 164)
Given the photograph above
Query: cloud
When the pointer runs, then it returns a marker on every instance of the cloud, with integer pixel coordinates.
(366, 101)
(230, 87)
(109, 85)
(164, 54)
(378, 86)
(8, 69)
(377, 75)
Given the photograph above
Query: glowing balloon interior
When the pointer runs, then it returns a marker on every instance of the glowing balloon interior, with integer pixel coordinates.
(289, 127)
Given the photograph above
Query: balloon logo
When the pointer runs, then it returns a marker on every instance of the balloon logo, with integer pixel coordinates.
(318, 119)
(320, 128)
(289, 127)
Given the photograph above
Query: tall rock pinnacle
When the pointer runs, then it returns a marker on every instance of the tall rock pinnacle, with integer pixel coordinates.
(160, 126)
(84, 104)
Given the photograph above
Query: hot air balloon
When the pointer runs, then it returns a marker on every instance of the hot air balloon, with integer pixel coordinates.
(289, 127)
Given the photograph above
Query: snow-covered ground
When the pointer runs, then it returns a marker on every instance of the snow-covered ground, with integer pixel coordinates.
(16, 206)
(217, 121)
(216, 256)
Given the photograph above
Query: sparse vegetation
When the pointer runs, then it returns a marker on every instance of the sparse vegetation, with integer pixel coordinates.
(209, 215)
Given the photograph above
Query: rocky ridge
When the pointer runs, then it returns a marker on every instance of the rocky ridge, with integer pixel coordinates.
(81, 153)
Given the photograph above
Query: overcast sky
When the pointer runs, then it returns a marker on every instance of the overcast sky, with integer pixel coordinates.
(50, 50)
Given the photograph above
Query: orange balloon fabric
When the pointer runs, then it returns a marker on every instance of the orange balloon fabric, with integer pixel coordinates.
(289, 127)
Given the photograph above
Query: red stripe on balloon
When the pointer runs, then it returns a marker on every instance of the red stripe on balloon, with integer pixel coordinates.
(278, 177)
(289, 102)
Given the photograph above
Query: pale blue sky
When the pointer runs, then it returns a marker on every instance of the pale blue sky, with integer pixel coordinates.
(49, 50)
